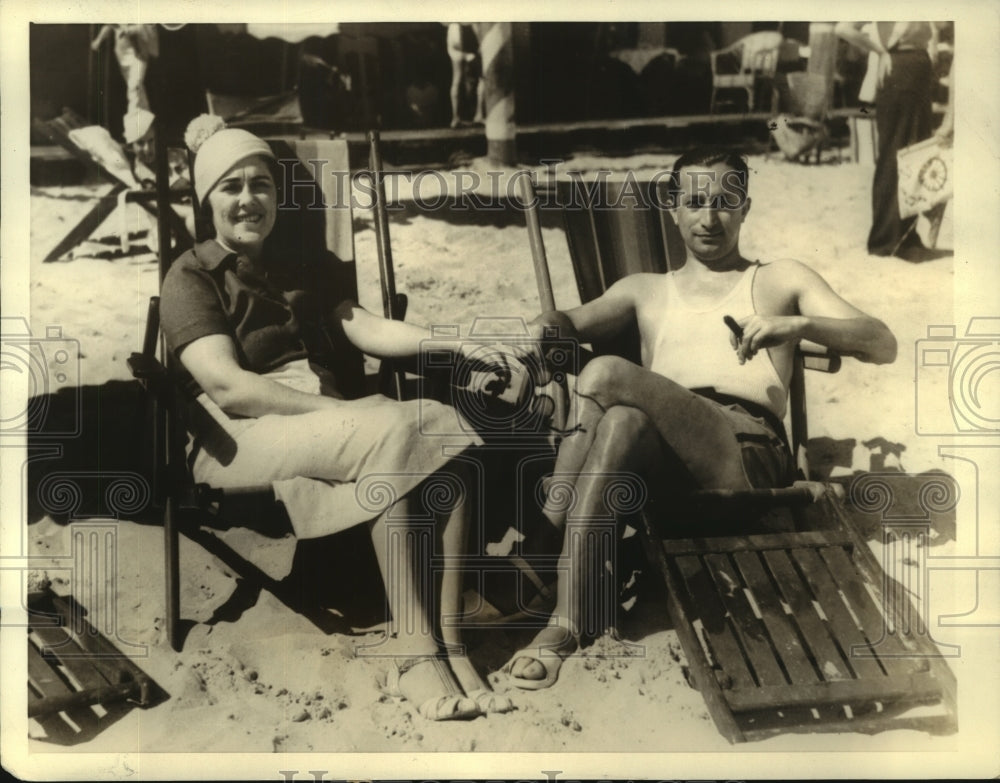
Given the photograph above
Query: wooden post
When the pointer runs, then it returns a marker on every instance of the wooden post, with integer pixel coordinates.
(497, 53)
(542, 278)
(390, 301)
(823, 56)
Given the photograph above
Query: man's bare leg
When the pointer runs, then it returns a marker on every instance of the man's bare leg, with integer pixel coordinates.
(624, 442)
(561, 492)
(686, 423)
(689, 425)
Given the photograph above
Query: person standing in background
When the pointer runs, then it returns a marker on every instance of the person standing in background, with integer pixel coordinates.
(466, 65)
(902, 116)
(135, 45)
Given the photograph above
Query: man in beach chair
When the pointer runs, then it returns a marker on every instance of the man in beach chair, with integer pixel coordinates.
(139, 133)
(131, 180)
(704, 409)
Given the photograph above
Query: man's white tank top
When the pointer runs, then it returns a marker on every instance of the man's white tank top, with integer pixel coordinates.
(692, 348)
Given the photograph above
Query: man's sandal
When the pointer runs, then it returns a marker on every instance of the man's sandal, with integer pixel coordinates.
(452, 704)
(551, 665)
(549, 657)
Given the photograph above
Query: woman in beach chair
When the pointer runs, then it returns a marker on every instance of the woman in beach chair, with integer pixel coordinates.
(243, 318)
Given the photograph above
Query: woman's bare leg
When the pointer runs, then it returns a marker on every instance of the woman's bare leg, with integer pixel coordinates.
(455, 90)
(424, 679)
(453, 526)
(396, 550)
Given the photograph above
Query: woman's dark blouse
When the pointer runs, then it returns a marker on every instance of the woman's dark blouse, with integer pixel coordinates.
(272, 319)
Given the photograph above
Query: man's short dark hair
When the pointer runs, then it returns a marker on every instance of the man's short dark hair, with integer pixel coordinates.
(710, 156)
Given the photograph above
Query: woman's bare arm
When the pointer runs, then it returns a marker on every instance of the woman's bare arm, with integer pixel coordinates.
(212, 362)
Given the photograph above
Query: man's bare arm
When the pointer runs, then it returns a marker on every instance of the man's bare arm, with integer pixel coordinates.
(599, 319)
(823, 317)
(851, 32)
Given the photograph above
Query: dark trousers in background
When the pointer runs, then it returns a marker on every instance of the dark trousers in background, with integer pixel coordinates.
(903, 117)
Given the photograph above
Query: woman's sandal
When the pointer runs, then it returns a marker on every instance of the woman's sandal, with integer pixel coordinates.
(453, 704)
(490, 701)
(476, 688)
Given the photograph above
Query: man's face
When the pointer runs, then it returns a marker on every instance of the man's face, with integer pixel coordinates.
(145, 147)
(711, 207)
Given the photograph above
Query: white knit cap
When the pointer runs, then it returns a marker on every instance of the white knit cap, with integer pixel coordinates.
(136, 123)
(220, 152)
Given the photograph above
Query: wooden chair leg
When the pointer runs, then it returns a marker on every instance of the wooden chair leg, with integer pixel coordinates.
(88, 223)
(935, 216)
(172, 570)
(124, 240)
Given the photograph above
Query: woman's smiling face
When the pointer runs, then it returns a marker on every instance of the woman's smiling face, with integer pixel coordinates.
(244, 206)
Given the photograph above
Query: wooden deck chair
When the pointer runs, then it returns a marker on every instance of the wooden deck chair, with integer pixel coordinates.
(71, 132)
(792, 631)
(508, 588)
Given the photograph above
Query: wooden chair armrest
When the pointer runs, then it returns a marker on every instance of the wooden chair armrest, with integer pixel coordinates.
(801, 493)
(144, 367)
(819, 357)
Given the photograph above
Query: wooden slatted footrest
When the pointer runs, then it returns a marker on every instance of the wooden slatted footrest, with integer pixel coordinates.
(790, 632)
(71, 665)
